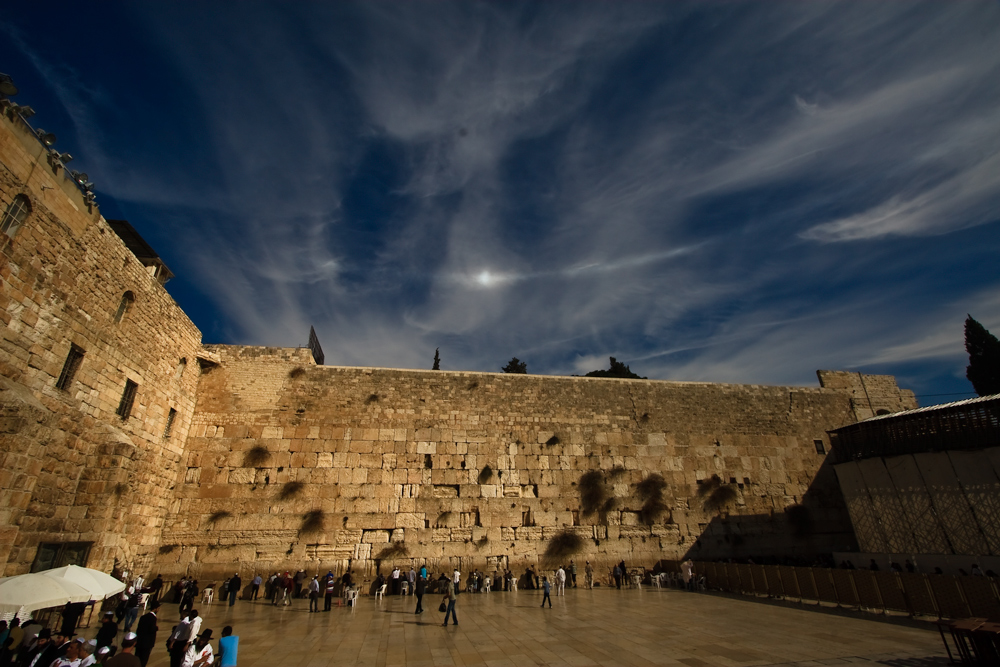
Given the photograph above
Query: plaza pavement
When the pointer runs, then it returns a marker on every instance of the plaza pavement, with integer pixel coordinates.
(598, 627)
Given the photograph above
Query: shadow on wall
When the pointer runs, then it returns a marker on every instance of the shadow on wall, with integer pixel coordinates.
(800, 533)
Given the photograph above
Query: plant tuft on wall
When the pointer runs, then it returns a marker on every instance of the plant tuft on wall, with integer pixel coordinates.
(256, 456)
(290, 489)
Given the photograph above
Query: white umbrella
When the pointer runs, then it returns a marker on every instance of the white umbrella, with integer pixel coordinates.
(99, 585)
(28, 592)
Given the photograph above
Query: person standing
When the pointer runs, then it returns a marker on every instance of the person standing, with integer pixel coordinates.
(300, 578)
(618, 576)
(127, 656)
(235, 584)
(146, 633)
(229, 646)
(108, 631)
(451, 597)
(589, 573)
(155, 586)
(314, 594)
(255, 587)
(456, 578)
(329, 588)
(572, 571)
(546, 587)
(132, 607)
(412, 578)
(560, 581)
(199, 653)
(419, 588)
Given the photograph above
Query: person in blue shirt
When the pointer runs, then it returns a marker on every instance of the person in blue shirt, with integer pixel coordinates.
(546, 586)
(229, 646)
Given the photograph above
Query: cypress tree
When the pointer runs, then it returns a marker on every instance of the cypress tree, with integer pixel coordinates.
(983, 347)
(437, 360)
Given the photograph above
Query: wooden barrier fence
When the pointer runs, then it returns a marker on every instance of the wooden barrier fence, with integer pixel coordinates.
(937, 595)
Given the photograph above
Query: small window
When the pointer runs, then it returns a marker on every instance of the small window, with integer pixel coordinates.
(15, 215)
(124, 306)
(170, 423)
(72, 365)
(128, 397)
(820, 449)
(58, 554)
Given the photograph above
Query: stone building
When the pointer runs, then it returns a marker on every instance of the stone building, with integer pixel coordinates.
(125, 441)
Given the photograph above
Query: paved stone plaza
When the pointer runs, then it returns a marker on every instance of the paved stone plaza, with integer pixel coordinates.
(599, 627)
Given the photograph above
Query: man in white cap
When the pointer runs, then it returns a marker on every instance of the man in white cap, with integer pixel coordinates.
(87, 650)
(126, 658)
(102, 655)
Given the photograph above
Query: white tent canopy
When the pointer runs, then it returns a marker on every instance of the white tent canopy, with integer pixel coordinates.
(27, 592)
(99, 585)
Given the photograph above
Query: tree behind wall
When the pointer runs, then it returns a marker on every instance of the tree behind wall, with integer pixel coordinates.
(515, 365)
(617, 370)
(437, 359)
(983, 347)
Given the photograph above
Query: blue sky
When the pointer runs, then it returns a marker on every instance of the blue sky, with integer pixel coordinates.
(721, 192)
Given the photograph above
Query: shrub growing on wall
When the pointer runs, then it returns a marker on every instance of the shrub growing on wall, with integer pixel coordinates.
(312, 521)
(563, 545)
(290, 490)
(651, 493)
(485, 475)
(593, 492)
(256, 456)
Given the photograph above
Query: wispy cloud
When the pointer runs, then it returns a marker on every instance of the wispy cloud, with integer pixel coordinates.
(720, 192)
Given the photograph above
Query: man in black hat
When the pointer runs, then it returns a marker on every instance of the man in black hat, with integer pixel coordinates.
(200, 652)
(146, 633)
(44, 652)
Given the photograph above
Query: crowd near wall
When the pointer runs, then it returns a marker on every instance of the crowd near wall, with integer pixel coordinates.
(124, 442)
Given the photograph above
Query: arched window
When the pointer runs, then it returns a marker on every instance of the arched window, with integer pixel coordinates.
(15, 215)
(127, 300)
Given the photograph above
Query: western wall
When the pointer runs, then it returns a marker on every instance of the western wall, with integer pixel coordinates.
(261, 457)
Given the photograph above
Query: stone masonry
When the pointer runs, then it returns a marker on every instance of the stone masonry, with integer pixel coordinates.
(273, 462)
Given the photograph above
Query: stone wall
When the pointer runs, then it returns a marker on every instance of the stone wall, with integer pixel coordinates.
(72, 470)
(289, 464)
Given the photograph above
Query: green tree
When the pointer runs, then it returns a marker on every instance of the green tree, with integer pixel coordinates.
(617, 370)
(983, 347)
(515, 365)
(437, 360)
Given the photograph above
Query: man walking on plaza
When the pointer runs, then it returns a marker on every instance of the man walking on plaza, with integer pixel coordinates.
(419, 587)
(451, 597)
(146, 633)
(547, 588)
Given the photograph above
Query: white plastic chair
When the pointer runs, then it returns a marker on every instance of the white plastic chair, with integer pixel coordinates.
(404, 587)
(486, 585)
(351, 598)
(208, 595)
(380, 591)
(513, 584)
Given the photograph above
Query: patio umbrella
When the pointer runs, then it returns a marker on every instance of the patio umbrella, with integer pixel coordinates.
(28, 592)
(99, 584)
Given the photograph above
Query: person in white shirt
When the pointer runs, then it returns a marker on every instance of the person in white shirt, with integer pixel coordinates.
(200, 652)
(456, 579)
(72, 657)
(560, 581)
